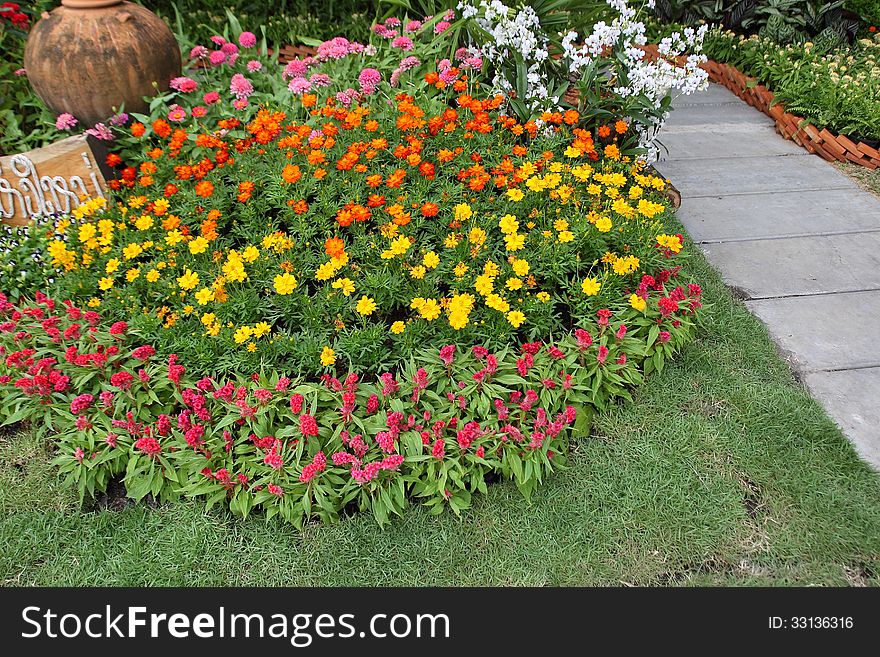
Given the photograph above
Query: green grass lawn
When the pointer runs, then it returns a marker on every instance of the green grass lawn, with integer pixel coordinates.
(723, 472)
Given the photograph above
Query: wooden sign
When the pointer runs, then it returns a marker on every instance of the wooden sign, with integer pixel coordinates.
(50, 180)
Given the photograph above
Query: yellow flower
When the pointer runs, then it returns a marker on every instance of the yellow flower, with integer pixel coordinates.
(397, 327)
(152, 276)
(188, 281)
(105, 283)
(250, 254)
(132, 251)
(198, 245)
(285, 283)
(508, 224)
(451, 241)
(112, 265)
(514, 283)
(483, 285)
(261, 329)
(213, 330)
(431, 260)
(515, 242)
(208, 319)
(343, 284)
(463, 212)
(243, 334)
(477, 237)
(400, 245)
(460, 270)
(521, 267)
(515, 195)
(94, 302)
(603, 224)
(590, 287)
(543, 297)
(86, 232)
(328, 357)
(516, 318)
(565, 236)
(624, 266)
(144, 222)
(252, 347)
(560, 225)
(326, 271)
(132, 274)
(671, 242)
(366, 305)
(637, 302)
(204, 296)
(430, 310)
(187, 310)
(417, 303)
(571, 151)
(417, 272)
(594, 189)
(173, 238)
(496, 302)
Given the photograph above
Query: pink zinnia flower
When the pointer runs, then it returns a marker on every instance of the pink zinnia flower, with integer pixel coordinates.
(320, 80)
(217, 57)
(177, 114)
(198, 52)
(254, 65)
(240, 103)
(412, 26)
(229, 48)
(240, 86)
(65, 121)
(100, 131)
(218, 40)
(369, 79)
(199, 111)
(211, 97)
(403, 43)
(441, 27)
(299, 85)
(184, 84)
(247, 39)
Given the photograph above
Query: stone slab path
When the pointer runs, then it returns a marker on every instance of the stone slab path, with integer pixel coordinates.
(797, 239)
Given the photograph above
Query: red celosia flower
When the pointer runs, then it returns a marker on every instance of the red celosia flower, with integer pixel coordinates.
(308, 426)
(122, 380)
(148, 445)
(118, 328)
(143, 352)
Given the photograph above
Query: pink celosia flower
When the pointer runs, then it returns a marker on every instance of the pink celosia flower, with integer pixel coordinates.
(118, 328)
(447, 354)
(275, 489)
(602, 355)
(65, 121)
(148, 445)
(80, 403)
(308, 426)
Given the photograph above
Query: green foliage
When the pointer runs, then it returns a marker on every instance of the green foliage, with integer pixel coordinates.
(25, 122)
(831, 87)
(23, 268)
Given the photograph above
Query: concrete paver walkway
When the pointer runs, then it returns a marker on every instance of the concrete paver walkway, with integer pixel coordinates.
(796, 238)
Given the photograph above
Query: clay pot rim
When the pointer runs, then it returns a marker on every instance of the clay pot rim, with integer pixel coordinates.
(89, 4)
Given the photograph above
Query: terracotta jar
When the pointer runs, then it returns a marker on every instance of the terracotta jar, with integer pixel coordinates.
(88, 57)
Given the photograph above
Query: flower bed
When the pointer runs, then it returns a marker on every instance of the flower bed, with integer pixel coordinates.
(429, 291)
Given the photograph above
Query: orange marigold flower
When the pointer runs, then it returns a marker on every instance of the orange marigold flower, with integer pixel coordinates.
(371, 126)
(432, 77)
(309, 100)
(138, 129)
(604, 131)
(430, 209)
(171, 222)
(571, 117)
(161, 128)
(396, 178)
(209, 228)
(113, 160)
(291, 173)
(319, 174)
(147, 167)
(375, 201)
(204, 188)
(171, 189)
(334, 247)
(620, 127)
(301, 206)
(245, 190)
